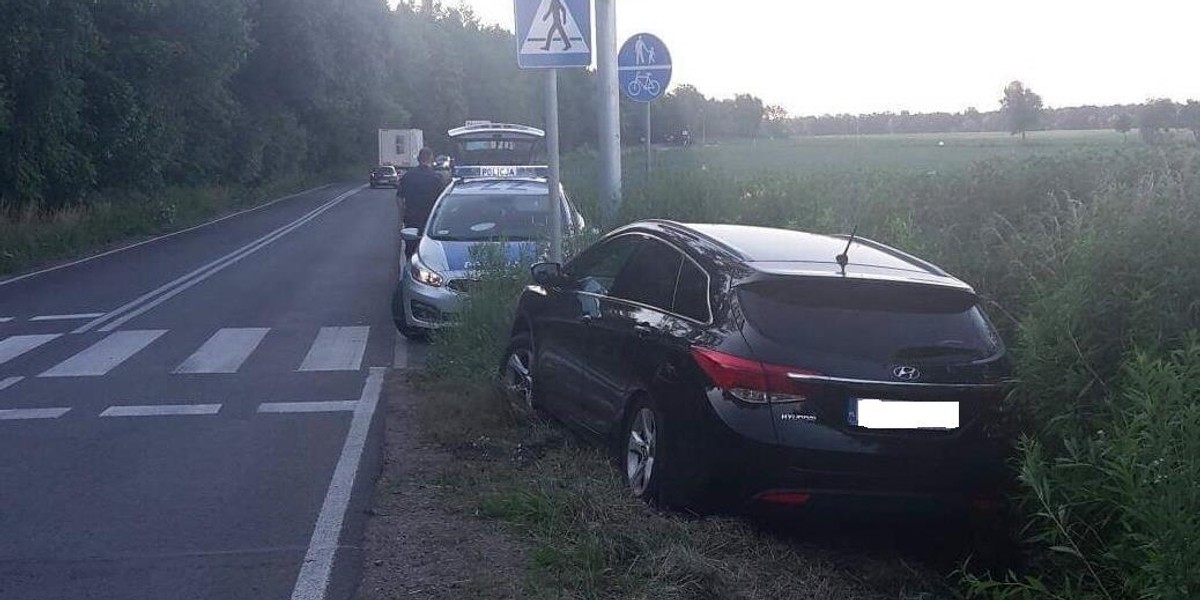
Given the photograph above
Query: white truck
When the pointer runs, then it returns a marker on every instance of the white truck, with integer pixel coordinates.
(399, 147)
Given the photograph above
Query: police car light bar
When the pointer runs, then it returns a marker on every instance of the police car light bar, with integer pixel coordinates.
(502, 171)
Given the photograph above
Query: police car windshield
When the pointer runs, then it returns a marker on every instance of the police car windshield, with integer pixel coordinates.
(482, 217)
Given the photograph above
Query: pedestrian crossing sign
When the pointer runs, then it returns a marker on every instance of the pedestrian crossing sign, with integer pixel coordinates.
(553, 33)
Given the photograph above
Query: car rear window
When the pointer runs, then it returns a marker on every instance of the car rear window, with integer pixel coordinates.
(880, 321)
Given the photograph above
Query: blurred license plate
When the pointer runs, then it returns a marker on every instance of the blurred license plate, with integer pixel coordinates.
(872, 413)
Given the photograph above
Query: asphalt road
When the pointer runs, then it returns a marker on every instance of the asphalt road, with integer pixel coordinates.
(194, 417)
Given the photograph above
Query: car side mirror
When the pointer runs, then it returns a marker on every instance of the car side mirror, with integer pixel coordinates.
(410, 234)
(548, 273)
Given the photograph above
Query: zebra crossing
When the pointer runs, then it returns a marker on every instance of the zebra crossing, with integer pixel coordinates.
(225, 351)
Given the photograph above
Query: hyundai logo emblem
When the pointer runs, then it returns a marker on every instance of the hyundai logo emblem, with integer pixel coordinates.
(906, 373)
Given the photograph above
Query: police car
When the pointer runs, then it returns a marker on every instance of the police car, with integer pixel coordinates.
(486, 209)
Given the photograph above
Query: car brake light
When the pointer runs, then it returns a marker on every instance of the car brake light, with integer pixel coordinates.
(750, 380)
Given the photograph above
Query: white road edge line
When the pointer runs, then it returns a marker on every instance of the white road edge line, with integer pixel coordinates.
(4, 282)
(400, 357)
(9, 382)
(148, 301)
(160, 410)
(308, 407)
(66, 317)
(313, 581)
(21, 414)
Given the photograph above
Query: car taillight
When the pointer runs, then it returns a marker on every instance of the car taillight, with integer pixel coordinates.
(750, 380)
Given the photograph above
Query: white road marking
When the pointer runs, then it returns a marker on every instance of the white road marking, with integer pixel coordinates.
(400, 357)
(106, 354)
(165, 292)
(17, 345)
(5, 319)
(161, 410)
(307, 407)
(337, 349)
(66, 317)
(225, 351)
(9, 382)
(313, 581)
(17, 414)
(155, 239)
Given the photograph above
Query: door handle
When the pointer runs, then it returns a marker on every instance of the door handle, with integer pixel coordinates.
(644, 330)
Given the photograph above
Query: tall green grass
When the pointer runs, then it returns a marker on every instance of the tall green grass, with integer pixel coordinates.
(1087, 259)
(32, 236)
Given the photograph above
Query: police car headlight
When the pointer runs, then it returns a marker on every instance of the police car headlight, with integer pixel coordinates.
(424, 274)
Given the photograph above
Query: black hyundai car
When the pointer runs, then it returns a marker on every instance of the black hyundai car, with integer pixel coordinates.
(728, 362)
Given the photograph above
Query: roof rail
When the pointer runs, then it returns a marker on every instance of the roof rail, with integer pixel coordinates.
(496, 128)
(683, 229)
(928, 266)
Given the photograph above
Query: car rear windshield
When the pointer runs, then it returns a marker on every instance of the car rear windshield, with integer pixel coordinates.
(483, 217)
(881, 321)
(385, 170)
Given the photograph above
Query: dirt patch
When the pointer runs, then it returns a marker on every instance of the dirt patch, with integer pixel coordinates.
(416, 544)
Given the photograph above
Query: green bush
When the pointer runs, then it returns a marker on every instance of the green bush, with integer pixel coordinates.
(1116, 508)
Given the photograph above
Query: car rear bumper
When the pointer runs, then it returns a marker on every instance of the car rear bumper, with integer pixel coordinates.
(833, 464)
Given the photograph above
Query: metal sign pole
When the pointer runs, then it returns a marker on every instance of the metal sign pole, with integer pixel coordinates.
(556, 224)
(610, 111)
(648, 165)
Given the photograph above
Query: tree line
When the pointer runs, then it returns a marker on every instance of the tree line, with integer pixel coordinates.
(120, 94)
(1020, 111)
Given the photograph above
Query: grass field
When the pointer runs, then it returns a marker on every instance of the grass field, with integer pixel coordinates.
(901, 152)
(1082, 246)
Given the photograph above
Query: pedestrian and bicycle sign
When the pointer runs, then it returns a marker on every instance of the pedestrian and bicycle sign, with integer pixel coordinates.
(644, 67)
(553, 33)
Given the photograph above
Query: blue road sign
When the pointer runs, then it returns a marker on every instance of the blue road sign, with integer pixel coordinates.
(553, 33)
(644, 67)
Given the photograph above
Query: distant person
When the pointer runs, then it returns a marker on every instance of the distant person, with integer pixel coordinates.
(418, 190)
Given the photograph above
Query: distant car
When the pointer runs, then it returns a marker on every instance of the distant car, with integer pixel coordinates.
(443, 163)
(385, 175)
(726, 362)
(507, 211)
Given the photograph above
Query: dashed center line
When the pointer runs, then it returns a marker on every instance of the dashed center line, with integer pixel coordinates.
(71, 317)
(5, 319)
(158, 410)
(308, 407)
(18, 414)
(9, 382)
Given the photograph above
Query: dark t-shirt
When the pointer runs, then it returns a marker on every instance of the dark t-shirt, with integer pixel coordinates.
(420, 188)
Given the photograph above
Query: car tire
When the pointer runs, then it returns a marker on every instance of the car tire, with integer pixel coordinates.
(671, 480)
(518, 374)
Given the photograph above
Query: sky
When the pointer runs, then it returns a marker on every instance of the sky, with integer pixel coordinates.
(862, 56)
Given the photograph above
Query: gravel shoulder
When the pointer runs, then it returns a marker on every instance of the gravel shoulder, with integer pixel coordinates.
(416, 545)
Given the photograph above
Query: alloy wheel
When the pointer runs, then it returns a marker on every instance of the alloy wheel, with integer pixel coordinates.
(518, 377)
(640, 451)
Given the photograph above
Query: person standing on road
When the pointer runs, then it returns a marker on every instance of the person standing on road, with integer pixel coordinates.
(418, 190)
